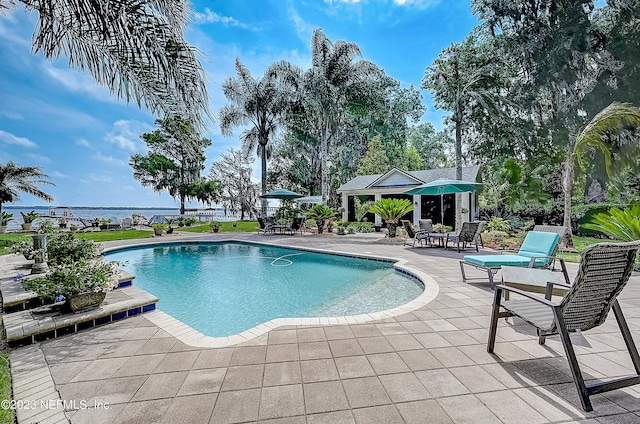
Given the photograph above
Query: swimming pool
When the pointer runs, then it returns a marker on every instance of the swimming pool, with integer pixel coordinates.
(222, 289)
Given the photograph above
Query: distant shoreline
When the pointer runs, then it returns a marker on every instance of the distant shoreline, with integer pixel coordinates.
(92, 207)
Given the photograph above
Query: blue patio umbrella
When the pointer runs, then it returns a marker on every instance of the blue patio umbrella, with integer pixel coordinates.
(282, 194)
(442, 187)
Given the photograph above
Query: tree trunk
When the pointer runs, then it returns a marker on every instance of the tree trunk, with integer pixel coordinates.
(263, 147)
(323, 164)
(182, 201)
(567, 187)
(458, 213)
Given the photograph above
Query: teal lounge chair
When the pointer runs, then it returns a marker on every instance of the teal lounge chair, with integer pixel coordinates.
(537, 250)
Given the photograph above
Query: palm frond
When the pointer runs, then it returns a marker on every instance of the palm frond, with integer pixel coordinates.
(135, 48)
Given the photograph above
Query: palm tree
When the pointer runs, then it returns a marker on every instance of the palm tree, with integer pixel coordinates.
(260, 104)
(327, 86)
(391, 211)
(15, 179)
(593, 136)
(460, 80)
(134, 48)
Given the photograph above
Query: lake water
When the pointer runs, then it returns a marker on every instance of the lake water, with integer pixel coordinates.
(90, 213)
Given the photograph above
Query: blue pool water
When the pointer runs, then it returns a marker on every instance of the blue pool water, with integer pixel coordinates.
(222, 289)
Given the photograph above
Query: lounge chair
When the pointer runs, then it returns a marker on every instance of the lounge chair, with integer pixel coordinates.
(414, 235)
(469, 233)
(603, 272)
(561, 230)
(426, 225)
(126, 223)
(536, 251)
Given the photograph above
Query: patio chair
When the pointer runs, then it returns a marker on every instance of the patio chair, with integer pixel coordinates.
(265, 225)
(126, 223)
(469, 233)
(603, 272)
(414, 235)
(296, 226)
(426, 225)
(537, 250)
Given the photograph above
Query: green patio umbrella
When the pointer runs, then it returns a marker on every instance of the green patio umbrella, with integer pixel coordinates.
(442, 187)
(282, 194)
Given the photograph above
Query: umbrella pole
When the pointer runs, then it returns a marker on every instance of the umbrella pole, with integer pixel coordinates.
(442, 211)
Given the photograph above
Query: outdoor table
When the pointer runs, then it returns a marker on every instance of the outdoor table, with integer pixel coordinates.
(532, 279)
(441, 237)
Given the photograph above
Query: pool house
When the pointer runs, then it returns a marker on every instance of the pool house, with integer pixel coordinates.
(393, 184)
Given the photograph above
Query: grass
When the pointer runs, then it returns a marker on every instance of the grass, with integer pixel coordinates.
(99, 236)
(227, 227)
(6, 415)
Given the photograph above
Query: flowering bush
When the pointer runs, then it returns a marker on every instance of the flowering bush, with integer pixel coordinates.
(71, 278)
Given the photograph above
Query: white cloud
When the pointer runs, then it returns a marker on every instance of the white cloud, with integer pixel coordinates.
(99, 178)
(109, 159)
(125, 135)
(79, 82)
(304, 29)
(417, 4)
(8, 138)
(58, 174)
(38, 158)
(12, 115)
(83, 142)
(211, 17)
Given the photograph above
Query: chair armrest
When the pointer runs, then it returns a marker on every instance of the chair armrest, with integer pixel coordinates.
(548, 292)
(527, 294)
(532, 262)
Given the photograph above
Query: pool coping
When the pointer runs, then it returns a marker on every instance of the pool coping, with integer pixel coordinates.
(192, 337)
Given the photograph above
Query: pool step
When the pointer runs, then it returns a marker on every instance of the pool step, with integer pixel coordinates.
(45, 322)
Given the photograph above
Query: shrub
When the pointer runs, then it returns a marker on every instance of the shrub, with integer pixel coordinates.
(321, 213)
(66, 247)
(619, 224)
(391, 210)
(497, 224)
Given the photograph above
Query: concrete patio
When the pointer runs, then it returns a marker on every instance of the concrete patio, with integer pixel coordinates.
(425, 366)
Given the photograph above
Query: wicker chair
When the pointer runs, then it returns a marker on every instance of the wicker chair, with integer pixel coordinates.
(603, 272)
(469, 233)
(414, 235)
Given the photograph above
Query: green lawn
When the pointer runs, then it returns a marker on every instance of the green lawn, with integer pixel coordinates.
(227, 227)
(6, 415)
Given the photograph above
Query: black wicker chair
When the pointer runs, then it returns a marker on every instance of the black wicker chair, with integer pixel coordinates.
(603, 272)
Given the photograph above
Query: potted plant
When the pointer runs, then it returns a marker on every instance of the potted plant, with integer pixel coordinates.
(215, 226)
(342, 227)
(320, 213)
(4, 221)
(28, 218)
(103, 223)
(158, 228)
(81, 284)
(170, 222)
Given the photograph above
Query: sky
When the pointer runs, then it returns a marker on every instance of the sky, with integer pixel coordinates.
(59, 119)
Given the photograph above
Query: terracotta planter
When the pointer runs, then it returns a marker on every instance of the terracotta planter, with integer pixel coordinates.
(157, 231)
(3, 229)
(80, 301)
(26, 226)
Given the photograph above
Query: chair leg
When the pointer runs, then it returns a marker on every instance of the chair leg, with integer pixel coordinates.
(495, 314)
(464, 277)
(626, 335)
(573, 362)
(490, 272)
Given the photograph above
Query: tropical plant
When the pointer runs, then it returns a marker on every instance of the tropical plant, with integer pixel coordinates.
(618, 224)
(260, 104)
(5, 218)
(215, 225)
(391, 210)
(15, 179)
(136, 49)
(320, 214)
(361, 209)
(29, 217)
(593, 136)
(327, 85)
(174, 161)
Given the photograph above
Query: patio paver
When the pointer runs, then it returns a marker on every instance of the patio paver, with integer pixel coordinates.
(425, 365)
